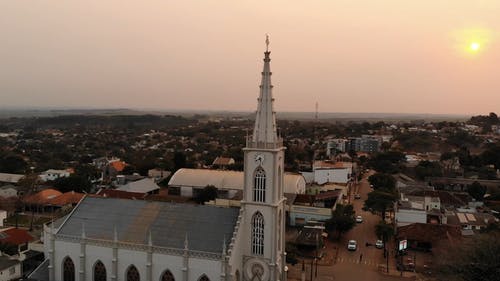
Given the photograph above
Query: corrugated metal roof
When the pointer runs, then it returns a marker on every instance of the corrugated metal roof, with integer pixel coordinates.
(169, 223)
(294, 183)
(141, 186)
(10, 178)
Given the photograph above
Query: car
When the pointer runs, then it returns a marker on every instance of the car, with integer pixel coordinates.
(371, 185)
(379, 244)
(359, 219)
(357, 196)
(352, 245)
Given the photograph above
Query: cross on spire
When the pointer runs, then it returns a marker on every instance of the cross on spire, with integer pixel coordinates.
(267, 42)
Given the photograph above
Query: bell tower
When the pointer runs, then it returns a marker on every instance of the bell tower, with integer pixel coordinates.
(263, 196)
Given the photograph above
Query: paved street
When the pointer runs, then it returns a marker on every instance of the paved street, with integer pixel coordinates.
(346, 265)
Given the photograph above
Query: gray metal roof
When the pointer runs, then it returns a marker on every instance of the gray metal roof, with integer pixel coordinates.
(205, 226)
(41, 273)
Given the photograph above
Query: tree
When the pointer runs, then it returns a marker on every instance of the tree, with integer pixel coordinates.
(12, 163)
(476, 258)
(384, 231)
(380, 201)
(428, 169)
(342, 220)
(387, 162)
(75, 183)
(179, 160)
(208, 193)
(491, 155)
(382, 181)
(476, 190)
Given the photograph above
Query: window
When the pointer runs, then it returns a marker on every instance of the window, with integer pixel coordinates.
(68, 269)
(259, 185)
(133, 274)
(12, 270)
(203, 278)
(258, 234)
(99, 271)
(167, 276)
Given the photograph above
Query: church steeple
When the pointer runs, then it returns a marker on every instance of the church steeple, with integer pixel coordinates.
(265, 133)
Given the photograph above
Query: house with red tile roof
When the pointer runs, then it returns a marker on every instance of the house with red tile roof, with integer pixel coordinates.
(16, 236)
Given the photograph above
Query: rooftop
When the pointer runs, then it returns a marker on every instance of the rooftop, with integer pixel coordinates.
(169, 223)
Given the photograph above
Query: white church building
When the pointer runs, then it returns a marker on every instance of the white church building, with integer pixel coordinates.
(106, 239)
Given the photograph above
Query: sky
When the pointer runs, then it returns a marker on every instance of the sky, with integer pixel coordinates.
(387, 56)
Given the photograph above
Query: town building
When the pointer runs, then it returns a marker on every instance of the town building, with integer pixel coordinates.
(51, 174)
(188, 182)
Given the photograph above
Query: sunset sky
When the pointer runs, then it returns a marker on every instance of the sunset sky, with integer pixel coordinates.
(427, 56)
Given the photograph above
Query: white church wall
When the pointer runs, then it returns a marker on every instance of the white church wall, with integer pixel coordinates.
(198, 267)
(237, 250)
(162, 263)
(66, 249)
(127, 258)
(94, 254)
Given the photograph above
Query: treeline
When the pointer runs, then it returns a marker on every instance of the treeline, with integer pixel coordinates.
(97, 121)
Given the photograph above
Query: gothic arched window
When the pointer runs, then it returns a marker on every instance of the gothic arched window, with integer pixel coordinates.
(259, 185)
(204, 278)
(167, 276)
(258, 234)
(133, 274)
(99, 271)
(68, 269)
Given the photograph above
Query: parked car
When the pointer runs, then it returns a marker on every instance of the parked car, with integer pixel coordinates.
(359, 219)
(379, 244)
(352, 245)
(357, 196)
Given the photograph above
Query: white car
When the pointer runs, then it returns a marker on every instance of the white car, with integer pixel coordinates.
(379, 244)
(352, 245)
(359, 219)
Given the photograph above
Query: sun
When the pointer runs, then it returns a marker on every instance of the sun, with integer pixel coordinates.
(474, 47)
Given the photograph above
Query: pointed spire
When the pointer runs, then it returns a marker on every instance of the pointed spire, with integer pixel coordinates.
(265, 121)
(83, 230)
(150, 239)
(224, 250)
(186, 243)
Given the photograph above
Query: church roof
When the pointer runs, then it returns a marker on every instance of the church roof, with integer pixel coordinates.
(206, 227)
(222, 179)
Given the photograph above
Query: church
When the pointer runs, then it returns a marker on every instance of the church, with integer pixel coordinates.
(107, 239)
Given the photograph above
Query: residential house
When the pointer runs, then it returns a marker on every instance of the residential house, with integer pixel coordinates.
(10, 269)
(158, 174)
(7, 191)
(427, 236)
(51, 174)
(307, 208)
(421, 208)
(332, 172)
(146, 185)
(10, 178)
(16, 236)
(223, 162)
(470, 220)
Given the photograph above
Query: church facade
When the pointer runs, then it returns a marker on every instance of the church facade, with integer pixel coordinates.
(106, 239)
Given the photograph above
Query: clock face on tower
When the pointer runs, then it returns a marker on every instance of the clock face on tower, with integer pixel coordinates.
(259, 159)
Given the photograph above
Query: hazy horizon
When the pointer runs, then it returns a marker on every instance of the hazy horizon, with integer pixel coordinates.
(388, 56)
